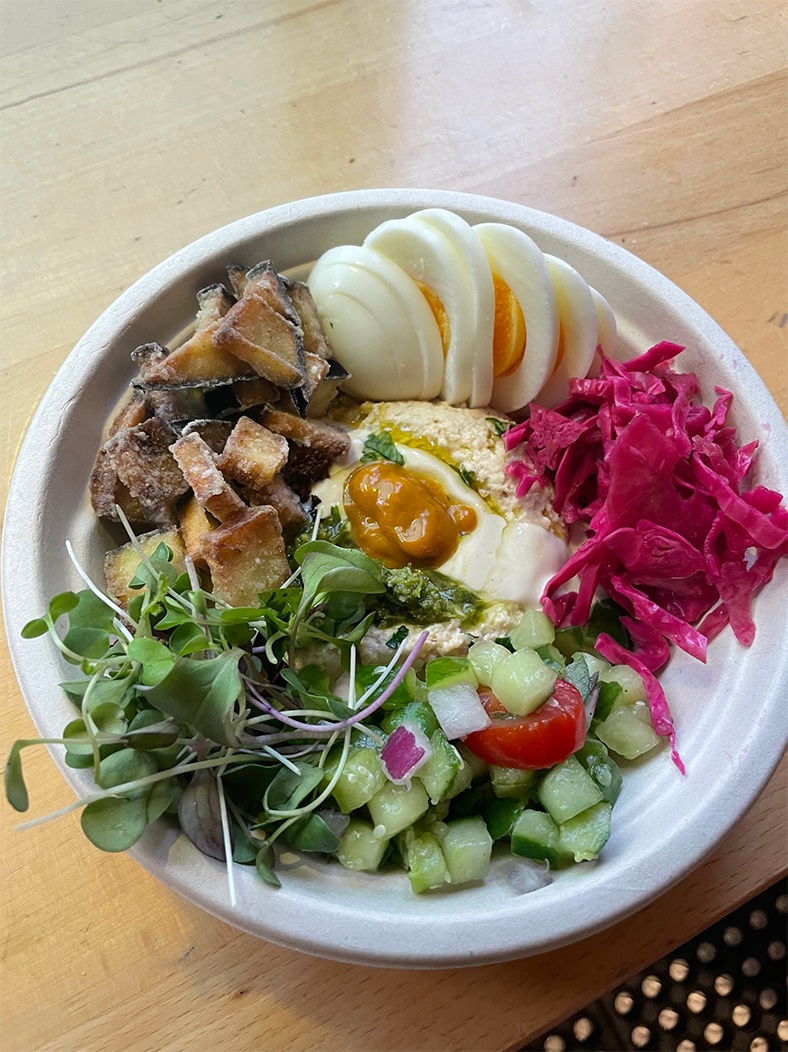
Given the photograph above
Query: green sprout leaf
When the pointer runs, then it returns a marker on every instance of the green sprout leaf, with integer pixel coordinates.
(288, 789)
(15, 788)
(498, 426)
(202, 693)
(62, 604)
(311, 833)
(264, 863)
(155, 658)
(37, 627)
(115, 823)
(89, 626)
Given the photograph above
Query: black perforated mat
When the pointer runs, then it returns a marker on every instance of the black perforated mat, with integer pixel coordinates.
(725, 989)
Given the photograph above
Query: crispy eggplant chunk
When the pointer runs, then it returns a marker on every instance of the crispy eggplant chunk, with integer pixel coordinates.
(121, 564)
(278, 494)
(213, 302)
(141, 457)
(238, 278)
(314, 446)
(246, 556)
(195, 524)
(250, 393)
(200, 362)
(213, 432)
(107, 492)
(197, 461)
(252, 454)
(326, 390)
(131, 413)
(314, 340)
(263, 329)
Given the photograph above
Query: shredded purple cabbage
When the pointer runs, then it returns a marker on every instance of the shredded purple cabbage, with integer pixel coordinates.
(673, 534)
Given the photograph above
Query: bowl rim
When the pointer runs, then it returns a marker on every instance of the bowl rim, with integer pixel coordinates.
(442, 948)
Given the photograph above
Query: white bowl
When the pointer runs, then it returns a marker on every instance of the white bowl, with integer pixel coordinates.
(729, 713)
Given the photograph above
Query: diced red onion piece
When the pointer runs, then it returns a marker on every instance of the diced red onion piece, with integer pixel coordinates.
(407, 749)
(458, 710)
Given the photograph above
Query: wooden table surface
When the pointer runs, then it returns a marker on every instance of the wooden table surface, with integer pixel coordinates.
(130, 127)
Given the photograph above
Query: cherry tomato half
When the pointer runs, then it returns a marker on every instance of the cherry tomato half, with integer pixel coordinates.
(541, 739)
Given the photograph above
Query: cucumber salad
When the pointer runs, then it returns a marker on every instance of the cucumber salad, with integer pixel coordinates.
(420, 630)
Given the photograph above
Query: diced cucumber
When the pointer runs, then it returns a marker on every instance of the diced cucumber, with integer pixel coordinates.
(594, 662)
(408, 689)
(361, 777)
(625, 734)
(535, 835)
(534, 630)
(439, 773)
(425, 862)
(584, 836)
(567, 789)
(395, 807)
(605, 772)
(632, 686)
(508, 781)
(500, 815)
(552, 657)
(522, 682)
(569, 640)
(471, 769)
(484, 655)
(467, 847)
(607, 700)
(359, 848)
(418, 712)
(448, 671)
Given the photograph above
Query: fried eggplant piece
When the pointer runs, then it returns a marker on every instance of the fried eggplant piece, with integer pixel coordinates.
(176, 404)
(316, 370)
(197, 461)
(213, 303)
(238, 278)
(314, 339)
(326, 390)
(314, 446)
(255, 392)
(281, 497)
(264, 330)
(144, 464)
(200, 362)
(131, 413)
(121, 564)
(246, 556)
(195, 523)
(107, 491)
(213, 432)
(148, 357)
(252, 454)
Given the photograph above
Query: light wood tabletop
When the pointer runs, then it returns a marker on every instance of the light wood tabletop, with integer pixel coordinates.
(130, 127)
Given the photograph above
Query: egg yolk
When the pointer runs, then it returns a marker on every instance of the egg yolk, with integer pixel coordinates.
(508, 330)
(438, 313)
(402, 518)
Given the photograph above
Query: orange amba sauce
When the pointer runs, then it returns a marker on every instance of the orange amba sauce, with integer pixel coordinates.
(402, 518)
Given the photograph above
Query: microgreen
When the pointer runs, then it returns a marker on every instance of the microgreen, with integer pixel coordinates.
(187, 706)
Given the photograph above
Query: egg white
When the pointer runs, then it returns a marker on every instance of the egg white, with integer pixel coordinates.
(500, 560)
(440, 250)
(607, 330)
(515, 258)
(378, 324)
(579, 327)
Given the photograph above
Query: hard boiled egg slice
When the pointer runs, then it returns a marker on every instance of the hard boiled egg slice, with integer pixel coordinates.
(525, 334)
(607, 330)
(378, 324)
(444, 257)
(578, 331)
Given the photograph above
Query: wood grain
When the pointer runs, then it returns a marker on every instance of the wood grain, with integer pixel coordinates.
(130, 127)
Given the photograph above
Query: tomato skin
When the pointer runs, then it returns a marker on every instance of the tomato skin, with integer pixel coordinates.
(543, 738)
